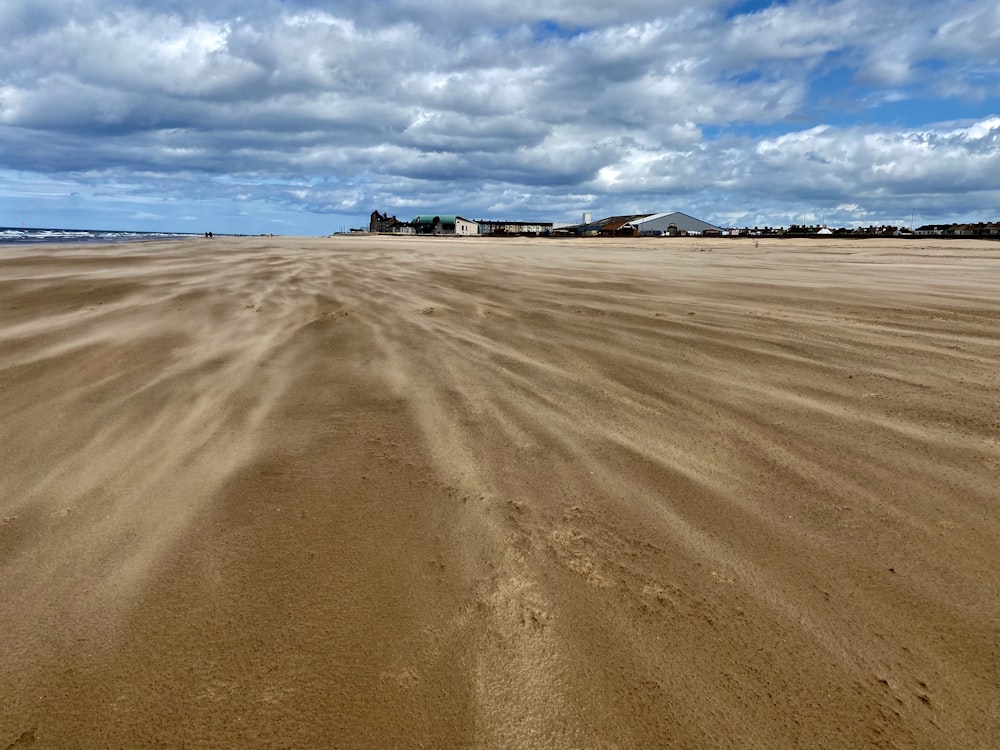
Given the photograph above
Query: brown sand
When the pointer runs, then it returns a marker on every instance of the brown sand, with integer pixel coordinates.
(385, 492)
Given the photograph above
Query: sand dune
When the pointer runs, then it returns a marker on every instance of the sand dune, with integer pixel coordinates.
(386, 492)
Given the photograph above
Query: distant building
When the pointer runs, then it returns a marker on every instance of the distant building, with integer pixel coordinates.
(644, 225)
(982, 229)
(618, 226)
(524, 228)
(385, 223)
(657, 225)
(445, 225)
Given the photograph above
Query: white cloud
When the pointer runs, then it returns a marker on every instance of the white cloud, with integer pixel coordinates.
(495, 105)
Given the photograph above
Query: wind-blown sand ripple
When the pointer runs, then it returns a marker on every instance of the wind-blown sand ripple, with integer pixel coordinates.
(369, 492)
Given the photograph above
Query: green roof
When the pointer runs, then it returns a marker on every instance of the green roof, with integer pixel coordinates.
(430, 219)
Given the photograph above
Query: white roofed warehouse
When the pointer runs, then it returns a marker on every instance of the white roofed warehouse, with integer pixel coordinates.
(657, 225)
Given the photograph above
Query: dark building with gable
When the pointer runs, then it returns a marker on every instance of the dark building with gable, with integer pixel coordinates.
(385, 223)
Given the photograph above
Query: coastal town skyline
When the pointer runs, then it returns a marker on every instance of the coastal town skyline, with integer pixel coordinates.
(291, 118)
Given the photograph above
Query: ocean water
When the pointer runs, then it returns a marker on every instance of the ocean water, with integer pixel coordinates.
(31, 235)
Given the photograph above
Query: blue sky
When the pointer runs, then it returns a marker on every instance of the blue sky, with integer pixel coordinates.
(301, 117)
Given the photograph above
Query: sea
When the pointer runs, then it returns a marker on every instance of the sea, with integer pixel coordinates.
(32, 235)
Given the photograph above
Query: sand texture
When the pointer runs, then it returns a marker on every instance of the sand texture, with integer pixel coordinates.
(387, 492)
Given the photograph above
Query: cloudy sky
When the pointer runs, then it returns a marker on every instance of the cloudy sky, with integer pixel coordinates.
(302, 116)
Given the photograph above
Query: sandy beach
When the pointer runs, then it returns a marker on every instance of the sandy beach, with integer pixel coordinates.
(373, 492)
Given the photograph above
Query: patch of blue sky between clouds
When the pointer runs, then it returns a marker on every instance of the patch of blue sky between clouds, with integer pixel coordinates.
(548, 30)
(749, 7)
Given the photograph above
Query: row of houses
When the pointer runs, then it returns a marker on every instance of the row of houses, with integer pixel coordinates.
(680, 224)
(981, 229)
(632, 225)
(653, 225)
(984, 230)
(452, 224)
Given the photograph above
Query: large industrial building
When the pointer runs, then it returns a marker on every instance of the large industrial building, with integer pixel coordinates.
(657, 225)
(643, 225)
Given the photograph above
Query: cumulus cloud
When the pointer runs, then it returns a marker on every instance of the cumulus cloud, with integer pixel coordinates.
(496, 106)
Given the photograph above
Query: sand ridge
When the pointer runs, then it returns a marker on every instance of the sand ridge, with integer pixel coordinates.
(369, 492)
